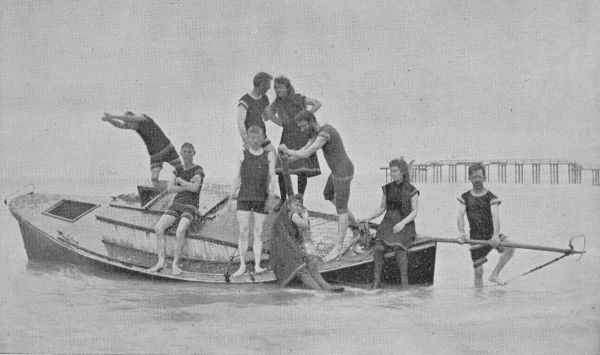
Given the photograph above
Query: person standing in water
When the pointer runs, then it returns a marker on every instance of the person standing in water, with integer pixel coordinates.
(282, 112)
(158, 145)
(481, 207)
(337, 188)
(400, 202)
(254, 182)
(187, 182)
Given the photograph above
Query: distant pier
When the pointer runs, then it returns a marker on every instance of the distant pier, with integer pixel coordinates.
(505, 171)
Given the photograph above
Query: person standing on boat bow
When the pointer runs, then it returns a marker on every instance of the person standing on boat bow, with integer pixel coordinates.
(253, 185)
(158, 145)
(282, 112)
(481, 207)
(400, 202)
(337, 188)
(187, 183)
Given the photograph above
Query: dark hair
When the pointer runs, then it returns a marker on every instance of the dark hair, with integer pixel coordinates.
(260, 78)
(476, 166)
(129, 113)
(255, 130)
(188, 145)
(401, 164)
(282, 80)
(296, 197)
(305, 115)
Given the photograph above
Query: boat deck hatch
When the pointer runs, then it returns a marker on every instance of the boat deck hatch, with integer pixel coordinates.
(70, 210)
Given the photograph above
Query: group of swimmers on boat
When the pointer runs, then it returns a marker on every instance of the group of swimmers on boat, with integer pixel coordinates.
(253, 194)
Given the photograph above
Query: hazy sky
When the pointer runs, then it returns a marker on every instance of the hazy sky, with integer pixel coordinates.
(424, 79)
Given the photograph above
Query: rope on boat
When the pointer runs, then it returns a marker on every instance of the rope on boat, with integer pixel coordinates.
(570, 252)
(18, 190)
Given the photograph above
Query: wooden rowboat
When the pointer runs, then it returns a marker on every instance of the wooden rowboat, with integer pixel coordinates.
(118, 233)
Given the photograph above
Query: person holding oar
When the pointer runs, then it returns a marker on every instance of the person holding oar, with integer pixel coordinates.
(481, 207)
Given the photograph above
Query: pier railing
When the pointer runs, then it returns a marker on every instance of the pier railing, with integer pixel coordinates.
(504, 171)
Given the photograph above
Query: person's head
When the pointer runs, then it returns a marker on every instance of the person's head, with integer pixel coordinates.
(306, 120)
(129, 113)
(476, 174)
(283, 87)
(399, 170)
(256, 137)
(262, 82)
(187, 151)
(295, 202)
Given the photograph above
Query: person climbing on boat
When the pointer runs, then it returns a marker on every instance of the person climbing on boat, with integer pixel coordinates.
(481, 207)
(337, 188)
(158, 145)
(251, 109)
(187, 183)
(400, 202)
(253, 185)
(288, 256)
(282, 112)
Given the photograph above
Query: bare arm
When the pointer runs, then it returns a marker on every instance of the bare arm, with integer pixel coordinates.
(241, 119)
(379, 211)
(414, 204)
(299, 221)
(237, 180)
(314, 104)
(460, 222)
(173, 186)
(126, 118)
(310, 149)
(272, 177)
(270, 114)
(193, 185)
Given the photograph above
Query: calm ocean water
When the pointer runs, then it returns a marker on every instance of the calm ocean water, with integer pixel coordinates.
(61, 308)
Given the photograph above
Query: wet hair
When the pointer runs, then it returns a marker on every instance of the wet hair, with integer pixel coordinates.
(305, 115)
(260, 78)
(474, 167)
(255, 130)
(188, 145)
(296, 197)
(129, 113)
(401, 164)
(282, 80)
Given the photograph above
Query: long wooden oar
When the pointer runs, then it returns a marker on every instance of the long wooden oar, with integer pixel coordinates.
(571, 250)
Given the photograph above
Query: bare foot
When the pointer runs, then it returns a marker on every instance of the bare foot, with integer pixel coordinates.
(176, 269)
(495, 279)
(158, 267)
(258, 269)
(334, 253)
(240, 271)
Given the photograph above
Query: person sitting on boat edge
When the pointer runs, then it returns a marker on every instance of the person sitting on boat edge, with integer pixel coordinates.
(288, 257)
(299, 216)
(158, 145)
(187, 182)
(400, 202)
(481, 207)
(253, 185)
(252, 109)
(337, 188)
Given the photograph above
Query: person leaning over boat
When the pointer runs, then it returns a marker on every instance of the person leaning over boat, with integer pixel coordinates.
(158, 145)
(251, 109)
(282, 112)
(253, 184)
(400, 202)
(187, 182)
(481, 207)
(337, 188)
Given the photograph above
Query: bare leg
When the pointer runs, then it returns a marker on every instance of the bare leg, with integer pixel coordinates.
(343, 223)
(379, 251)
(479, 276)
(243, 218)
(161, 226)
(154, 173)
(302, 183)
(313, 269)
(257, 246)
(402, 259)
(308, 280)
(180, 239)
(506, 255)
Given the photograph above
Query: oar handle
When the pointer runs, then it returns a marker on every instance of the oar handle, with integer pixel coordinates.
(508, 245)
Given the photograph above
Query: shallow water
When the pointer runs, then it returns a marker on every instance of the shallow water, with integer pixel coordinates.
(60, 308)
